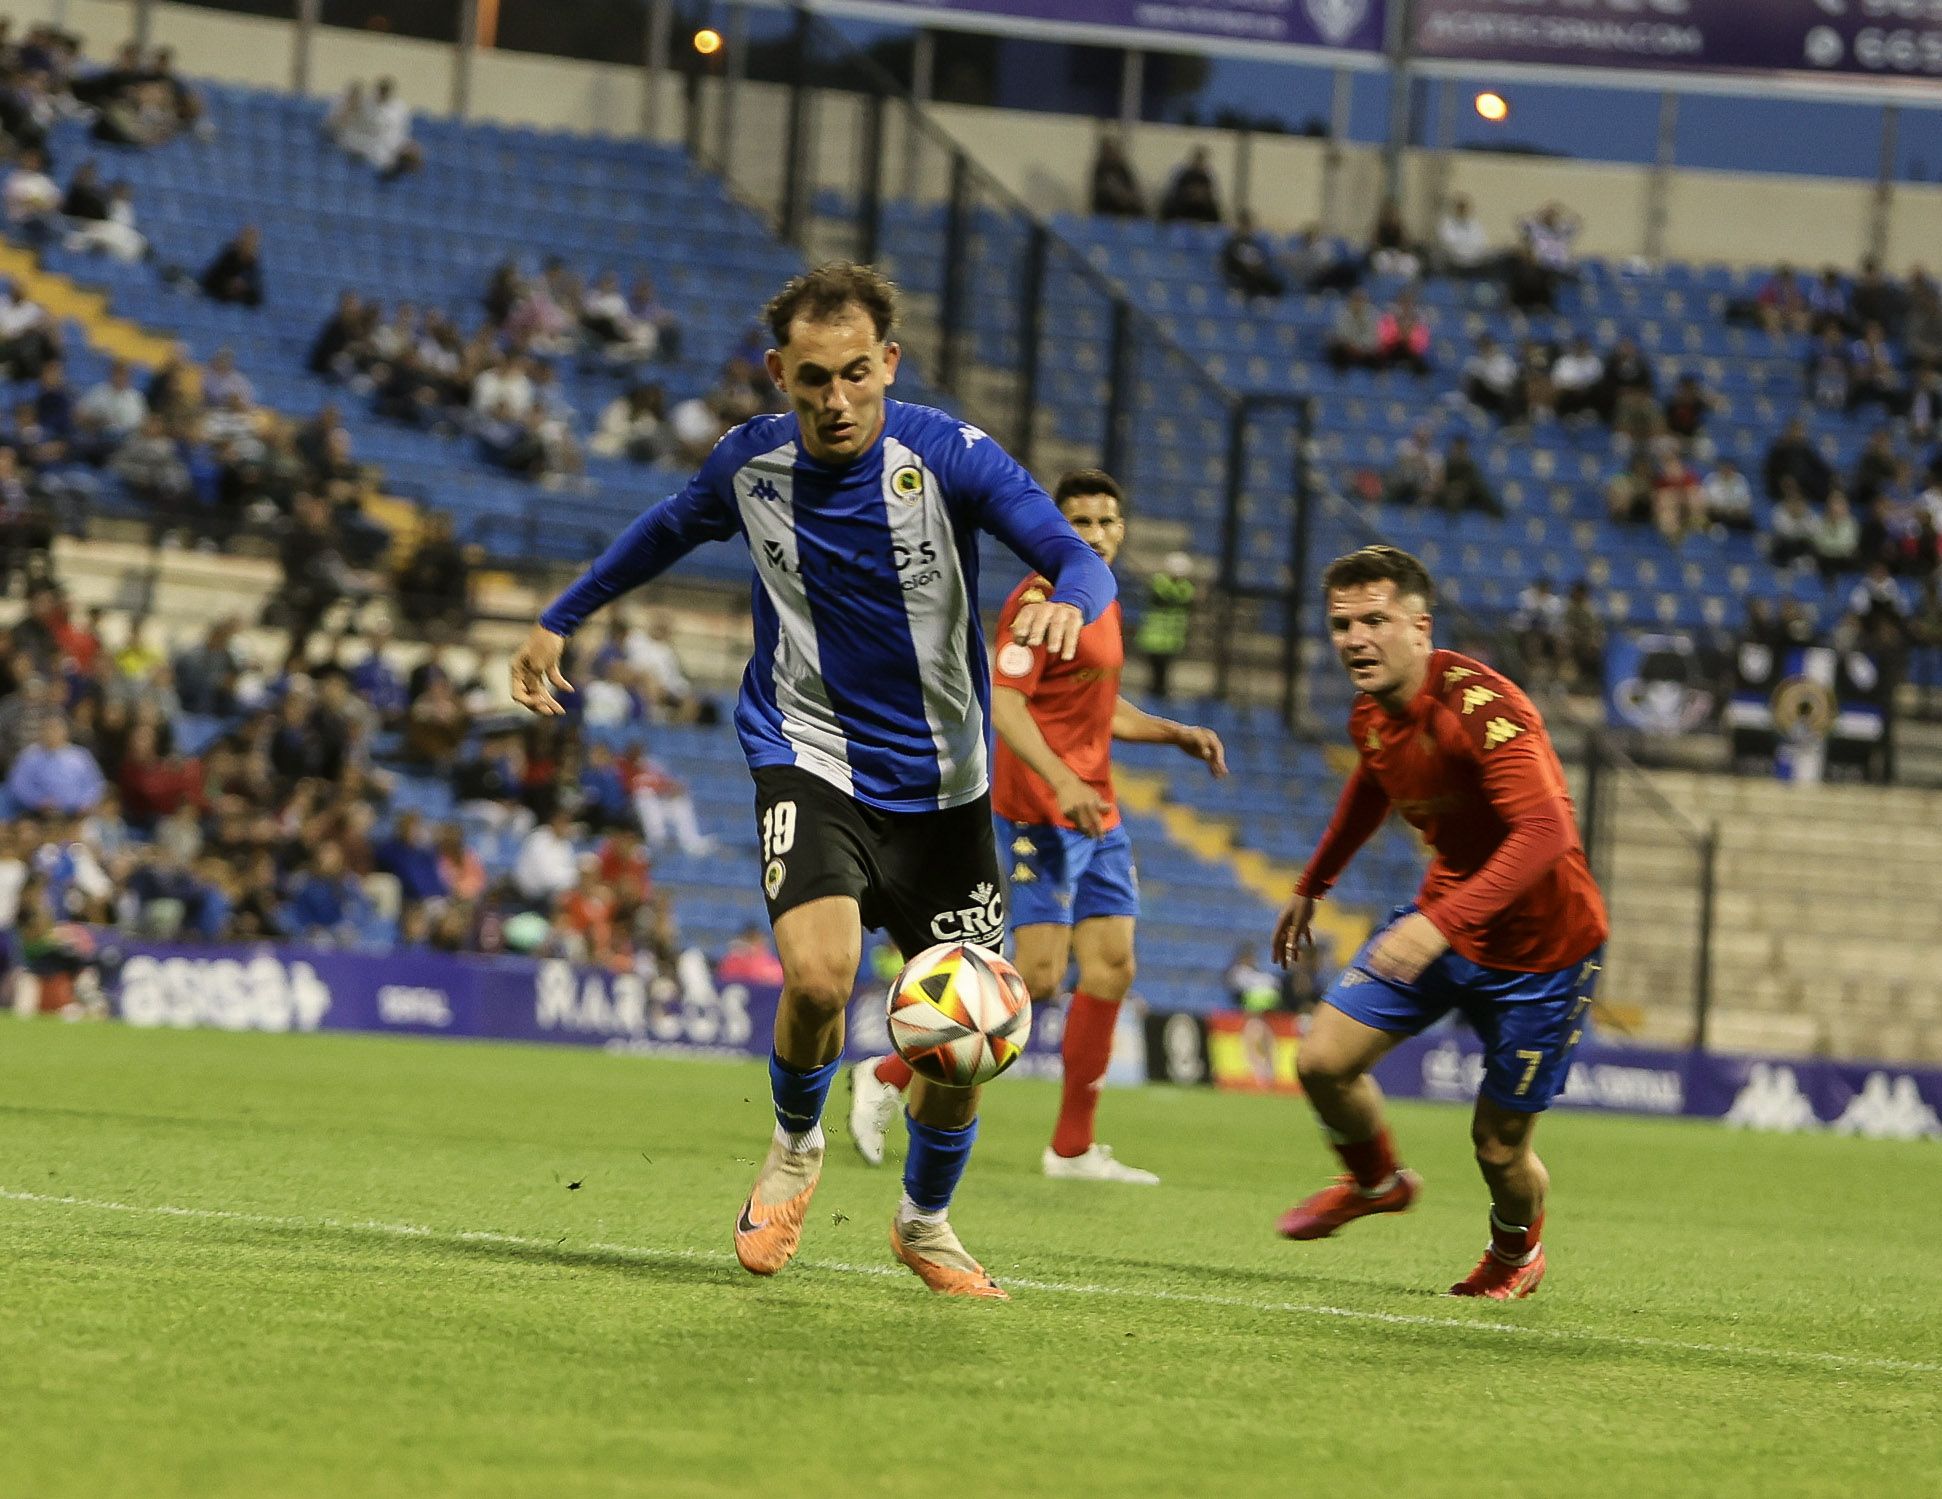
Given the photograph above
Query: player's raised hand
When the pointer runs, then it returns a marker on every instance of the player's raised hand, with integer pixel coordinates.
(1291, 931)
(1407, 948)
(1054, 626)
(536, 672)
(1204, 745)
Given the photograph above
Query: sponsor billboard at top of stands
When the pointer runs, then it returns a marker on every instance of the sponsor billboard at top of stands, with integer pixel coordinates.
(1346, 27)
(1844, 41)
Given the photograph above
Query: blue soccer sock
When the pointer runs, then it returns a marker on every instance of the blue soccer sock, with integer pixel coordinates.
(936, 1160)
(799, 1096)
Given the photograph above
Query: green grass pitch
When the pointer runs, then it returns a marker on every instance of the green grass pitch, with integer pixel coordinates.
(277, 1266)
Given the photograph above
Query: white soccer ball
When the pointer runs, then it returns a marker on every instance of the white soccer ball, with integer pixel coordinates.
(959, 1014)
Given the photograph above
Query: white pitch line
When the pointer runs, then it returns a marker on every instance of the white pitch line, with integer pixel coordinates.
(1052, 1287)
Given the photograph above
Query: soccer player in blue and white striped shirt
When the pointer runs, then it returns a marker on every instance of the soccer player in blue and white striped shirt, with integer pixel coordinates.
(863, 711)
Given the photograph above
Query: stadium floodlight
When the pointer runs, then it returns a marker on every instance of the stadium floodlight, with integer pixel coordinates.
(1493, 107)
(708, 41)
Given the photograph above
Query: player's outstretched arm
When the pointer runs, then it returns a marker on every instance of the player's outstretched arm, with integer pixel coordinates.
(1134, 725)
(1011, 715)
(536, 672)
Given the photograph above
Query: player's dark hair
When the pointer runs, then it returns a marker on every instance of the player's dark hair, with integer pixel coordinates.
(824, 292)
(1087, 481)
(1380, 564)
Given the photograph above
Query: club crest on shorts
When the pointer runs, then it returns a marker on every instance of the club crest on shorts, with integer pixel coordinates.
(772, 877)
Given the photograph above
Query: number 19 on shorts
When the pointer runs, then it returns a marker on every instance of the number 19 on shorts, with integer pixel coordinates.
(778, 830)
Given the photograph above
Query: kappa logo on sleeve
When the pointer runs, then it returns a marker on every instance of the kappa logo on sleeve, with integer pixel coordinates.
(1500, 731)
(972, 435)
(1475, 697)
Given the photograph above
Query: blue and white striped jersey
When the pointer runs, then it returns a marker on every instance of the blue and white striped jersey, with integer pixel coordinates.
(869, 668)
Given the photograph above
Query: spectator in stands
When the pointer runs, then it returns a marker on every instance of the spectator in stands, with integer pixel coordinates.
(1161, 636)
(326, 904)
(1528, 285)
(1577, 380)
(154, 785)
(435, 729)
(1191, 196)
(1464, 484)
(141, 117)
(1827, 301)
(54, 774)
(1115, 186)
(150, 464)
(221, 380)
(1628, 494)
(1791, 528)
(1878, 601)
(1246, 263)
(206, 675)
(1537, 399)
(1875, 300)
(1402, 337)
(1877, 468)
(1836, 537)
(1922, 328)
(33, 199)
(1462, 246)
(410, 856)
(333, 353)
(1551, 234)
(1728, 497)
(1875, 374)
(236, 274)
(28, 338)
(375, 127)
(434, 585)
(1316, 263)
(547, 867)
(750, 960)
(1780, 306)
(1630, 396)
(1415, 474)
(1538, 625)
(1491, 379)
(1355, 339)
(1678, 500)
(1390, 252)
(315, 575)
(665, 807)
(1249, 986)
(1925, 404)
(1830, 376)
(698, 423)
(460, 869)
(87, 196)
(669, 695)
(113, 231)
(634, 425)
(1687, 409)
(1793, 456)
(609, 322)
(1584, 640)
(27, 113)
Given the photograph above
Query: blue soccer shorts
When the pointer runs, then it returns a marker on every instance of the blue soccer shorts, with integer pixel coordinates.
(1060, 876)
(1529, 1023)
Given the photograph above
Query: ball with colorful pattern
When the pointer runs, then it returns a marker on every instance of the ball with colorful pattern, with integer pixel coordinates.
(959, 1014)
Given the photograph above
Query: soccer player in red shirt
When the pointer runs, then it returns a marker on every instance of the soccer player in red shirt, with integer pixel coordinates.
(1073, 886)
(1508, 927)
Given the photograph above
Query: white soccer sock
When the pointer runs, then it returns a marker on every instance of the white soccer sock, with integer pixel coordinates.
(797, 1144)
(909, 1212)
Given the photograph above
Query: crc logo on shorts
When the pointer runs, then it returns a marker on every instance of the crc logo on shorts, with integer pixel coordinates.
(907, 483)
(981, 921)
(773, 876)
(1015, 660)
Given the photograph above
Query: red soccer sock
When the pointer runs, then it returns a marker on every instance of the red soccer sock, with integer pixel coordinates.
(1371, 1162)
(893, 1070)
(1512, 1244)
(1088, 1047)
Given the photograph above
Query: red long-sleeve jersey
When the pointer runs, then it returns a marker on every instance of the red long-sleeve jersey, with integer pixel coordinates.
(1470, 766)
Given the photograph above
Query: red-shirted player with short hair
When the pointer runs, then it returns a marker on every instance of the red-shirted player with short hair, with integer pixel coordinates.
(1073, 890)
(1508, 926)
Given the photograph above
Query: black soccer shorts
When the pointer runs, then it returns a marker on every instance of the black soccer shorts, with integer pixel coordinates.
(923, 877)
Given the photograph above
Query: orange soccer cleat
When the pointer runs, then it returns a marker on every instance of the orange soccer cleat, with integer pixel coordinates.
(1500, 1280)
(1342, 1202)
(932, 1249)
(769, 1227)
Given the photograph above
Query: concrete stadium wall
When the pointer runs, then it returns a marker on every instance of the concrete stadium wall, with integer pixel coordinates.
(1044, 158)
